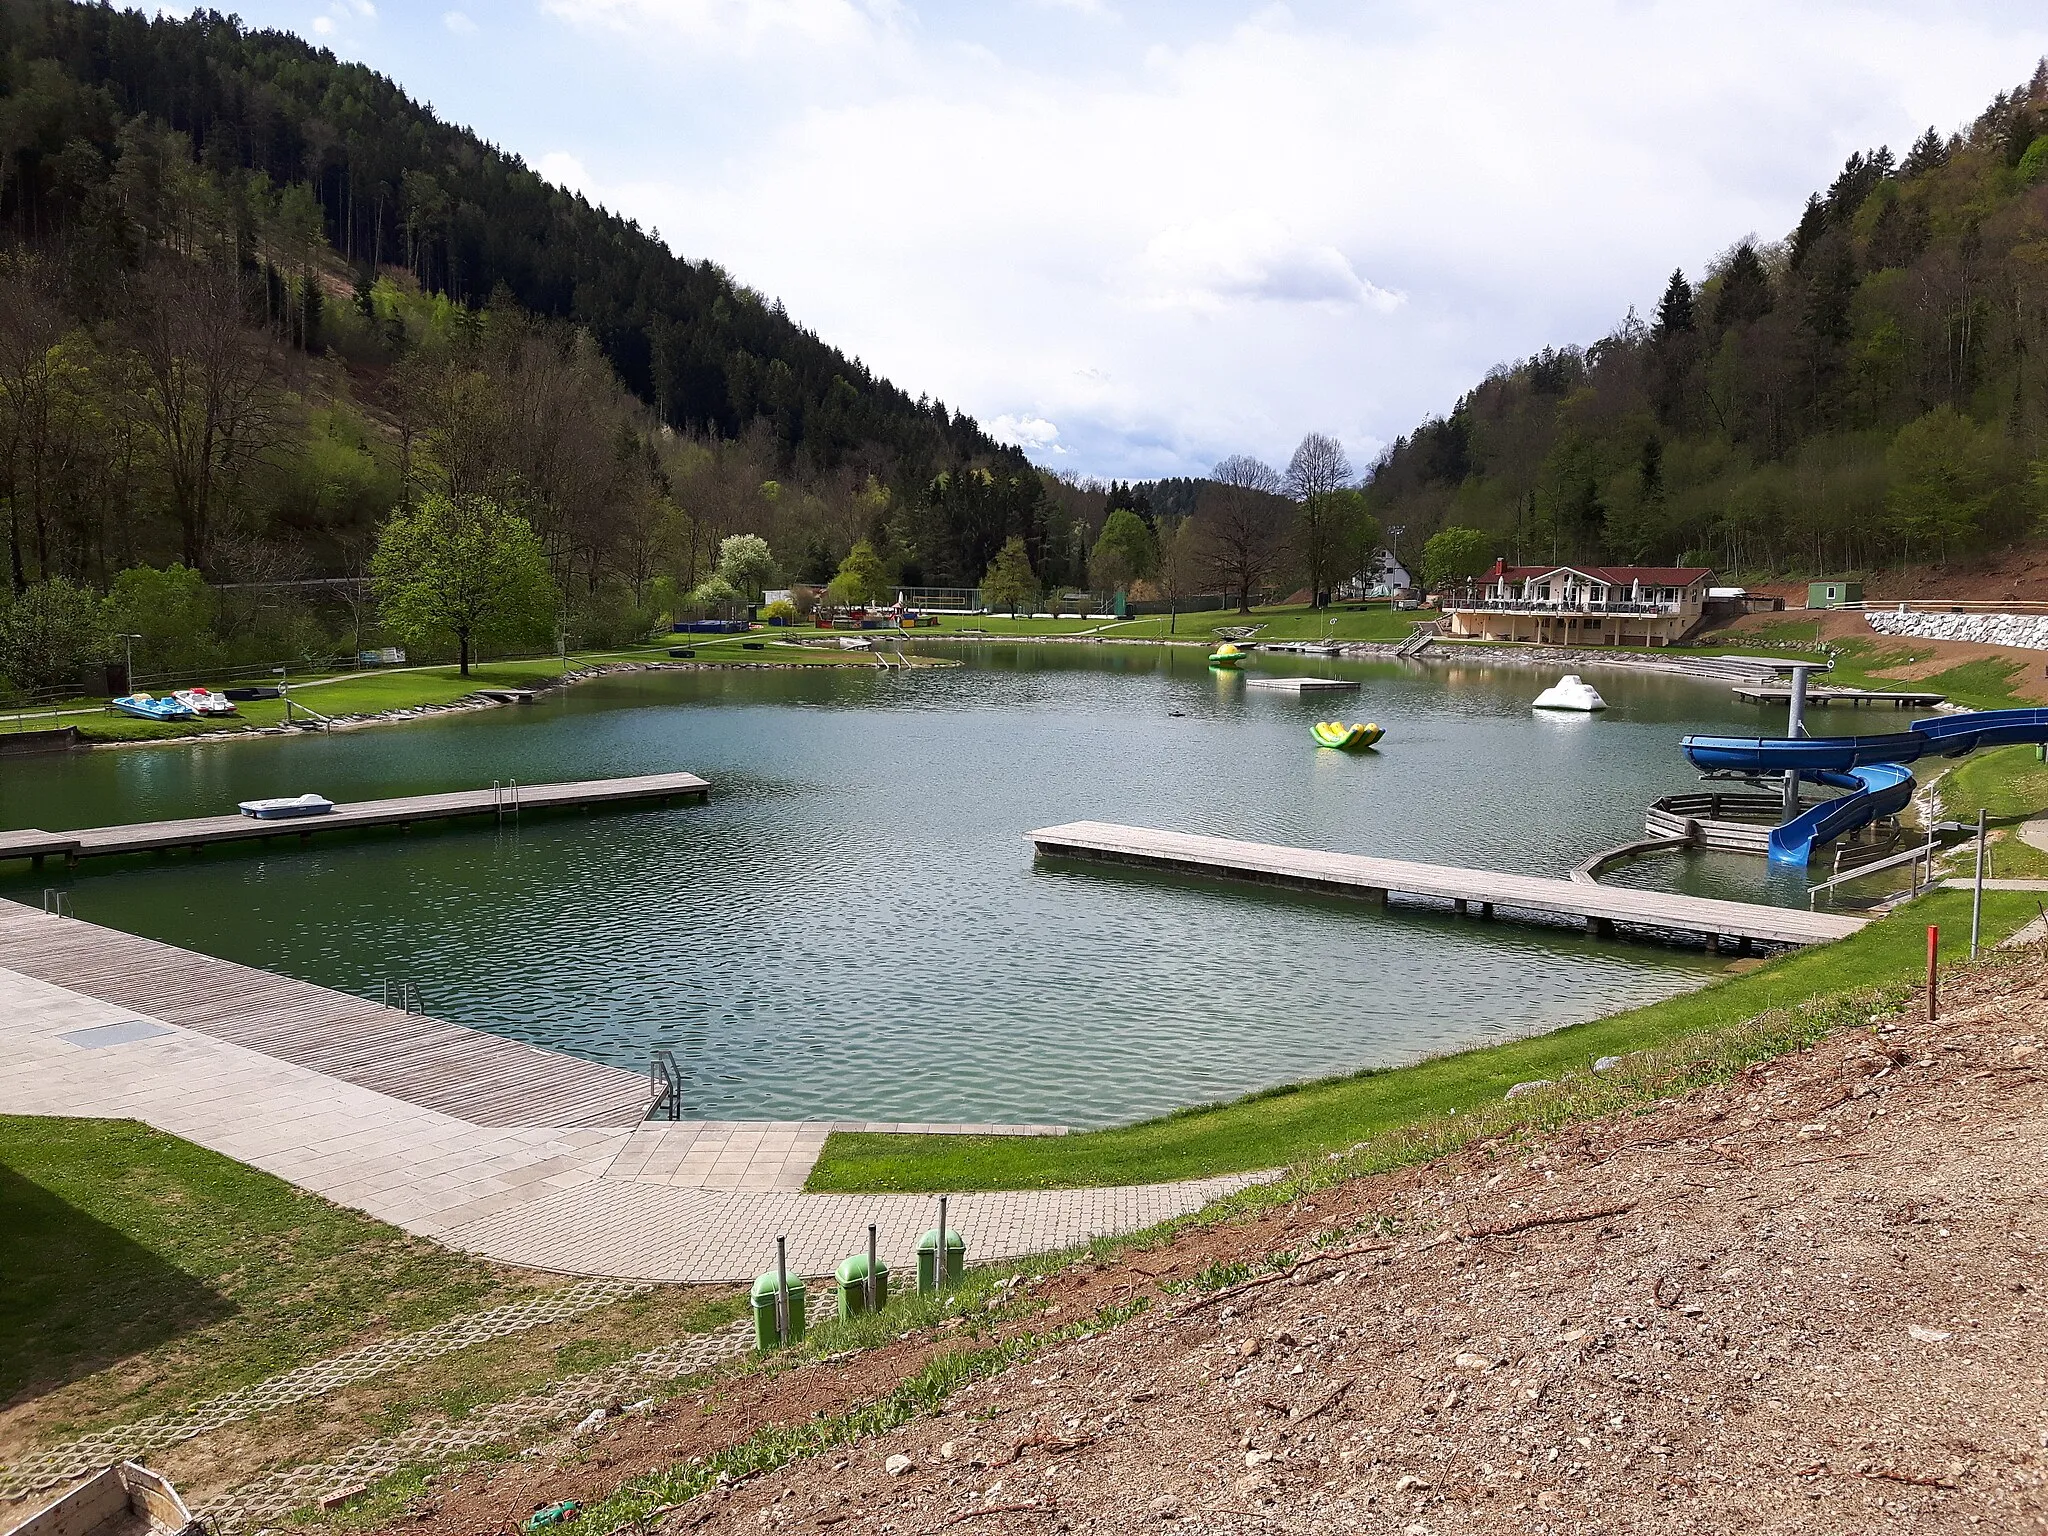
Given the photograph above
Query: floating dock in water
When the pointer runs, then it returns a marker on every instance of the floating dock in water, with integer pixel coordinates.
(507, 800)
(1821, 698)
(1303, 684)
(471, 1074)
(1603, 909)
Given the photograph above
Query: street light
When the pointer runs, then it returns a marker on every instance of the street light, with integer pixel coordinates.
(128, 660)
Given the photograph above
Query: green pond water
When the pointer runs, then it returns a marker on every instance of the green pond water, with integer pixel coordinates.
(854, 925)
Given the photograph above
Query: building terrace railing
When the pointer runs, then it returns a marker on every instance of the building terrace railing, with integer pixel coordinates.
(1522, 605)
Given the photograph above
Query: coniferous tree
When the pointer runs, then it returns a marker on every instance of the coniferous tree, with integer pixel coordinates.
(1675, 309)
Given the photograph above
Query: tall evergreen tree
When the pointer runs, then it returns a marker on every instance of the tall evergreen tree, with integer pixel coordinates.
(1675, 309)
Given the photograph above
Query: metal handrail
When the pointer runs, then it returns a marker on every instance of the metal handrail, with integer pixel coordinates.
(665, 1086)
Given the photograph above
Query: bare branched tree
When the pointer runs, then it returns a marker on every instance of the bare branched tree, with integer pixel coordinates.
(1322, 532)
(1240, 524)
(208, 386)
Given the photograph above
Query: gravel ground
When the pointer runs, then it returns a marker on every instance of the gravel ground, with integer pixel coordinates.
(1810, 1301)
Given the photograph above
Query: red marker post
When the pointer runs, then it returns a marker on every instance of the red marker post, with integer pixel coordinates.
(1933, 946)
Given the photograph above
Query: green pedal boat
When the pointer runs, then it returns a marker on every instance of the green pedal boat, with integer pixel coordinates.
(1345, 738)
(1225, 655)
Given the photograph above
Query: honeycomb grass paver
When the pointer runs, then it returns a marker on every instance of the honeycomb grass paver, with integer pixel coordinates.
(276, 1494)
(89, 1453)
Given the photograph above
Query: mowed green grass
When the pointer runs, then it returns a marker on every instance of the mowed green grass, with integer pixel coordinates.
(1285, 1126)
(191, 1272)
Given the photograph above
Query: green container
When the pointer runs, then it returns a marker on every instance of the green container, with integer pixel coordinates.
(852, 1275)
(928, 1259)
(764, 1312)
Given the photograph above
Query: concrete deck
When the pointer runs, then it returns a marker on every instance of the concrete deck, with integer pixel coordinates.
(666, 1202)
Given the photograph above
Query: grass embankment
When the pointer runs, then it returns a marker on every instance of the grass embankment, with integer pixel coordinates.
(145, 1273)
(1986, 683)
(368, 693)
(1287, 1125)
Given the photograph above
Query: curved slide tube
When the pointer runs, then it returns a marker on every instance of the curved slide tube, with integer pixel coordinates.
(1867, 766)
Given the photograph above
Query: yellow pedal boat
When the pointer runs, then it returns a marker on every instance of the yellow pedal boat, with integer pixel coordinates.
(1225, 655)
(1346, 738)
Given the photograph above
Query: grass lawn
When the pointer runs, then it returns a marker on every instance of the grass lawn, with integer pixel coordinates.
(1288, 1125)
(1376, 621)
(143, 1272)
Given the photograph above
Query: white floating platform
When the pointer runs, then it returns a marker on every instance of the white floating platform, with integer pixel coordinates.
(1303, 684)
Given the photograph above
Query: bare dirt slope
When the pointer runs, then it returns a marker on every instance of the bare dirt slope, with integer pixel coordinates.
(1810, 1301)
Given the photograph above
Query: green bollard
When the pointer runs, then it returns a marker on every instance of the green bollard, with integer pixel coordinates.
(766, 1335)
(928, 1260)
(852, 1275)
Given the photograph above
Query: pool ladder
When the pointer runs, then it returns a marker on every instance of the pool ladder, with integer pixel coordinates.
(408, 995)
(665, 1086)
(505, 798)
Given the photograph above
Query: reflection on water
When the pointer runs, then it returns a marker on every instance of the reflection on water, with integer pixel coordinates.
(854, 925)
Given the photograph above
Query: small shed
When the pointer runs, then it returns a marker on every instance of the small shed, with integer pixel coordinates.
(1833, 594)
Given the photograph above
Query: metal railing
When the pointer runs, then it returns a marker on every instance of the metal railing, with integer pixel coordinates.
(409, 1000)
(1560, 609)
(56, 902)
(505, 798)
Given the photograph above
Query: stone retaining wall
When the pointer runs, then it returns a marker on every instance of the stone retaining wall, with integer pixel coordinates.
(2026, 631)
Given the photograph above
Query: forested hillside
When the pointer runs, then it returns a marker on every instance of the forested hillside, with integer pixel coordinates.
(1871, 389)
(255, 302)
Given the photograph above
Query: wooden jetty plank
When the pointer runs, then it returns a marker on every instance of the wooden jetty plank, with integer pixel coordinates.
(1599, 906)
(198, 831)
(1303, 684)
(471, 1074)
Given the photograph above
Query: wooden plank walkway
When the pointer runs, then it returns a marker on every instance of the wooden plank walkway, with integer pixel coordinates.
(473, 1075)
(160, 836)
(1303, 684)
(1602, 908)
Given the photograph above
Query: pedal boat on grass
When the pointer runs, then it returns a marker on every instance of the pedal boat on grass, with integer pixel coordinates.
(287, 808)
(143, 707)
(1226, 655)
(1346, 737)
(124, 1500)
(204, 701)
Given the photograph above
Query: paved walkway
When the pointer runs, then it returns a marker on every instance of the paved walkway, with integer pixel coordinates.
(669, 1202)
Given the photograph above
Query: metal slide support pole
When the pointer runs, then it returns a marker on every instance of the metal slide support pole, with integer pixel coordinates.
(940, 1269)
(1977, 891)
(1795, 727)
(782, 1290)
(871, 1269)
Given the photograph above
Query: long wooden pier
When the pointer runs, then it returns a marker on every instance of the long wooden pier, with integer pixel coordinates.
(36, 845)
(1603, 909)
(471, 1074)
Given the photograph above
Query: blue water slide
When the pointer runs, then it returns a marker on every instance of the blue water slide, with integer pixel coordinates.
(1876, 789)
(1868, 767)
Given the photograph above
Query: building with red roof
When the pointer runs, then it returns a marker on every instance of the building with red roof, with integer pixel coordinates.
(1580, 604)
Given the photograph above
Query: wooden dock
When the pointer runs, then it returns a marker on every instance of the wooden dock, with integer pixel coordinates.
(163, 836)
(1603, 909)
(473, 1075)
(1821, 698)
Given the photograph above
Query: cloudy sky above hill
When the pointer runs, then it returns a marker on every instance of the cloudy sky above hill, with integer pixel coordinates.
(1136, 237)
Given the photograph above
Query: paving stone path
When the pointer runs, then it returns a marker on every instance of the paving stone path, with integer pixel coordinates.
(78, 1458)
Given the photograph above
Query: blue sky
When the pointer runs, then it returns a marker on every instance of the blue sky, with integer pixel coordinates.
(1137, 237)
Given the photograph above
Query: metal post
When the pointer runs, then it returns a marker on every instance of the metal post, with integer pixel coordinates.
(940, 1269)
(782, 1290)
(1977, 892)
(1933, 947)
(871, 1268)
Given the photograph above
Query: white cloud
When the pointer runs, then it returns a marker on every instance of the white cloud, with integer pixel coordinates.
(459, 24)
(1033, 432)
(324, 25)
(564, 170)
(743, 27)
(1219, 235)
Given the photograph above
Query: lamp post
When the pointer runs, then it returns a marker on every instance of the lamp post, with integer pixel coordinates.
(128, 661)
(283, 691)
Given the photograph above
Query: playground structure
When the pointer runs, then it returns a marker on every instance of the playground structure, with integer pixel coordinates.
(1871, 769)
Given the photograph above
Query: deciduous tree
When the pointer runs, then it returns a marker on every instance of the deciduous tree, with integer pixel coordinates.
(1009, 582)
(1239, 513)
(463, 568)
